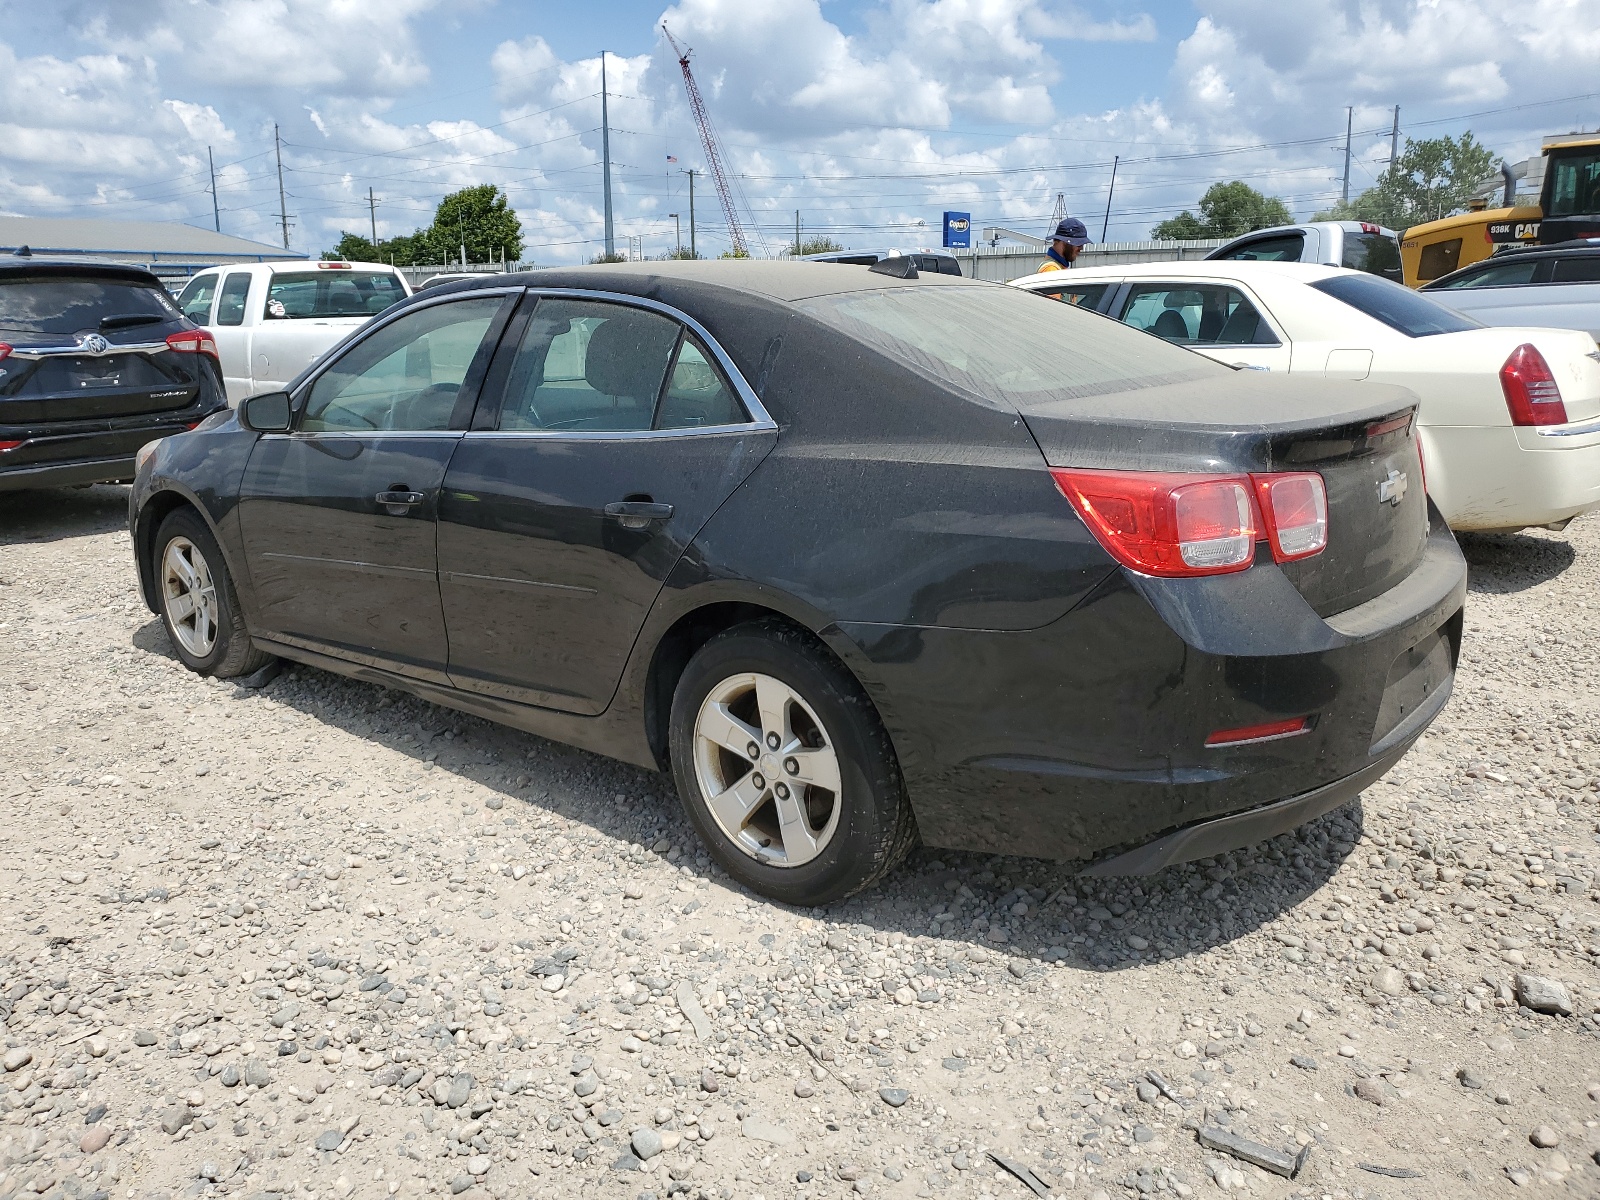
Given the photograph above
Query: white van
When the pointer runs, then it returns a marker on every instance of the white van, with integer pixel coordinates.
(273, 320)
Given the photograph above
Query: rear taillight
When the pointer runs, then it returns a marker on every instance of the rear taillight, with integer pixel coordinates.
(4, 446)
(1176, 525)
(1532, 393)
(1422, 464)
(193, 341)
(1296, 510)
(5, 351)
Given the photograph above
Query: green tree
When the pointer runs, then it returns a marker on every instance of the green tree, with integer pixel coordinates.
(608, 258)
(681, 252)
(815, 245)
(480, 217)
(1431, 179)
(1226, 210)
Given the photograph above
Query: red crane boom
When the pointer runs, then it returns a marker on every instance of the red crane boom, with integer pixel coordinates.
(708, 141)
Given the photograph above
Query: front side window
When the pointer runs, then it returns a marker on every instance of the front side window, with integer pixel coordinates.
(1575, 185)
(1285, 248)
(406, 376)
(587, 366)
(330, 293)
(196, 297)
(68, 304)
(230, 305)
(1398, 307)
(1498, 275)
(1203, 314)
(1083, 295)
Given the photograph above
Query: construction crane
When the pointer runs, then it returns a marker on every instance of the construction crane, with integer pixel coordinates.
(708, 140)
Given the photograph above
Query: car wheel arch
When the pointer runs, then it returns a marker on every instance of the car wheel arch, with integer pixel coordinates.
(157, 507)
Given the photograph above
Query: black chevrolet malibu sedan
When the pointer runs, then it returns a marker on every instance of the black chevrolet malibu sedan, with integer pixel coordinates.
(860, 559)
(95, 360)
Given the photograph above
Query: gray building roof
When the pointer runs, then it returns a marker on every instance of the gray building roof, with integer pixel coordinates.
(167, 247)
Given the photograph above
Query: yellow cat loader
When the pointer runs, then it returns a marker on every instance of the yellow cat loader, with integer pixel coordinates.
(1569, 207)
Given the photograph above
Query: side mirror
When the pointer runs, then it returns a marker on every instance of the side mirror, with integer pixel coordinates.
(269, 412)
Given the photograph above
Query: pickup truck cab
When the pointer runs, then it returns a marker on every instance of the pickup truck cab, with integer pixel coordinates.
(273, 320)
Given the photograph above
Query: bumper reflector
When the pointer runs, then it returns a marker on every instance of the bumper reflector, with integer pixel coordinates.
(1270, 732)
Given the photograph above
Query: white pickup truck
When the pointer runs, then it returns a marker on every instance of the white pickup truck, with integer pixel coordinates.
(273, 320)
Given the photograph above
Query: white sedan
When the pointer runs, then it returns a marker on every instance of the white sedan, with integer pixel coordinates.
(1509, 418)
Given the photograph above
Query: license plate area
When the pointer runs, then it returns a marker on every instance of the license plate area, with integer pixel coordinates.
(1414, 677)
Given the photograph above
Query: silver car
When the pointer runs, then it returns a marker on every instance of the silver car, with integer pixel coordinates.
(1358, 245)
(1551, 287)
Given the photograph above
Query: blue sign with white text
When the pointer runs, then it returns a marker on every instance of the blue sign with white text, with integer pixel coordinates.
(957, 231)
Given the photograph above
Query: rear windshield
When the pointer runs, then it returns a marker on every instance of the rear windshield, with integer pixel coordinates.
(1375, 253)
(332, 294)
(1398, 307)
(1004, 346)
(65, 304)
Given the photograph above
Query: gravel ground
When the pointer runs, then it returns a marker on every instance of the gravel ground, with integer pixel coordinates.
(320, 939)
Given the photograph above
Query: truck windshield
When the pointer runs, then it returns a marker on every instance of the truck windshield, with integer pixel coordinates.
(1375, 253)
(1575, 184)
(331, 294)
(1398, 307)
(67, 304)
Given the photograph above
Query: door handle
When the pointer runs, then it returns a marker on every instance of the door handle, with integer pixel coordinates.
(638, 514)
(400, 501)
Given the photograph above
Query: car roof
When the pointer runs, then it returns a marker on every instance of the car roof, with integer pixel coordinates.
(784, 281)
(304, 265)
(1301, 226)
(1245, 271)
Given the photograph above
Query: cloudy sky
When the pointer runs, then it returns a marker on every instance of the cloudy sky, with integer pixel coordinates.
(868, 116)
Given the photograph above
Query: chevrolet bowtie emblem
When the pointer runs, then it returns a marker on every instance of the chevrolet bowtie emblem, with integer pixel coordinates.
(1393, 489)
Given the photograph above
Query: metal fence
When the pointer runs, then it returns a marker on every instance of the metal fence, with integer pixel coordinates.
(1003, 264)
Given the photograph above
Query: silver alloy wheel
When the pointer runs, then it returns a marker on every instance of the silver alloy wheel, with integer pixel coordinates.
(767, 769)
(189, 595)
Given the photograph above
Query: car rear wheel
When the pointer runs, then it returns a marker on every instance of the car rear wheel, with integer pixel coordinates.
(198, 604)
(784, 768)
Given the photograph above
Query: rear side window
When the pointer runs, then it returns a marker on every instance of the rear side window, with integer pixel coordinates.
(1049, 351)
(66, 304)
(331, 294)
(196, 297)
(1438, 259)
(1285, 248)
(1196, 315)
(1497, 275)
(1577, 270)
(1412, 313)
(1375, 253)
(230, 305)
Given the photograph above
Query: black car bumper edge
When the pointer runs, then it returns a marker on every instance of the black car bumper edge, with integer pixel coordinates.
(1205, 839)
(65, 474)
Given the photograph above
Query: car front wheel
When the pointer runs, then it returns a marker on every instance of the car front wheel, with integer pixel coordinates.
(784, 768)
(198, 604)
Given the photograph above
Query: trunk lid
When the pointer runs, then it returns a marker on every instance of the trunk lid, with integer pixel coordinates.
(1357, 436)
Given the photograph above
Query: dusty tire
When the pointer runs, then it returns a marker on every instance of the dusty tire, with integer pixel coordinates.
(815, 842)
(197, 602)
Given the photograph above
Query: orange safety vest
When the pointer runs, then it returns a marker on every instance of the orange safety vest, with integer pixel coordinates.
(1049, 264)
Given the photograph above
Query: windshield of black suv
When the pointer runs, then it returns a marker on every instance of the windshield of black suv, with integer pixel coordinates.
(1396, 306)
(1005, 346)
(68, 304)
(332, 293)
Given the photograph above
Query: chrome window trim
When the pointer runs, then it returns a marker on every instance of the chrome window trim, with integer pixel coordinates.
(35, 352)
(370, 433)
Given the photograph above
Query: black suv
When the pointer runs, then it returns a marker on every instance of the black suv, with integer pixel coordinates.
(95, 361)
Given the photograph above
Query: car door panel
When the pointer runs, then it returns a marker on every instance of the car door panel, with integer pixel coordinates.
(338, 517)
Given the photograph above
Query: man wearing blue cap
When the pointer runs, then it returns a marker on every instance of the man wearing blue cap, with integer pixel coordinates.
(1071, 237)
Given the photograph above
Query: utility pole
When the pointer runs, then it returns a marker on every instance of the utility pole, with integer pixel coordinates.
(283, 204)
(372, 211)
(694, 251)
(216, 213)
(1106, 224)
(605, 154)
(797, 233)
(1344, 193)
(1394, 139)
(677, 227)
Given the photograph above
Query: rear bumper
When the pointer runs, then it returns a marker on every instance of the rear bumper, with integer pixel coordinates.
(1501, 478)
(66, 474)
(1088, 736)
